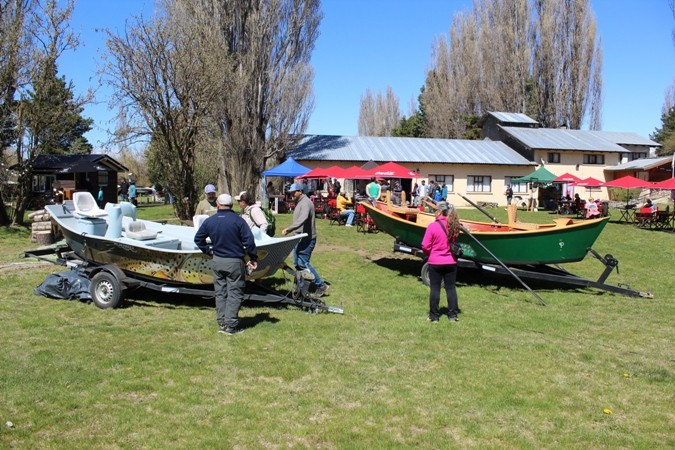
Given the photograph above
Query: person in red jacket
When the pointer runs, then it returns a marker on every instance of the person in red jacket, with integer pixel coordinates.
(442, 264)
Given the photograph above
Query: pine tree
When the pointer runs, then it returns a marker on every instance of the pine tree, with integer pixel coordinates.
(666, 134)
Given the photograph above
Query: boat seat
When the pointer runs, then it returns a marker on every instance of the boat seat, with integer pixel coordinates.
(198, 220)
(137, 230)
(86, 206)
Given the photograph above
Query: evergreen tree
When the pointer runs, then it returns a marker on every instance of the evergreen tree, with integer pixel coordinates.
(666, 134)
(52, 118)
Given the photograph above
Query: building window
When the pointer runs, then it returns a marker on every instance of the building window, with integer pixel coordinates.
(594, 159)
(449, 180)
(478, 183)
(638, 155)
(554, 157)
(518, 188)
(102, 178)
(42, 183)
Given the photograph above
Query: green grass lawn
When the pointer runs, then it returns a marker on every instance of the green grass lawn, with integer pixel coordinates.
(590, 370)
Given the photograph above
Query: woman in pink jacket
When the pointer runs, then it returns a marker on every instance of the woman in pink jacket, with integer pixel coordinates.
(442, 265)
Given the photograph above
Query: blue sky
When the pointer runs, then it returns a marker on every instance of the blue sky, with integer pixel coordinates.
(372, 44)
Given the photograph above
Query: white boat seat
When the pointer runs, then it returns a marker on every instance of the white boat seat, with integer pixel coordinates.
(86, 206)
(137, 230)
(198, 220)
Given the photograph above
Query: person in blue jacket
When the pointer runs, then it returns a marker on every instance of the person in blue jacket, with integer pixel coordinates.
(231, 241)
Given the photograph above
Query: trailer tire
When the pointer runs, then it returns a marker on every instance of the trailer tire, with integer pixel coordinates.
(425, 276)
(106, 290)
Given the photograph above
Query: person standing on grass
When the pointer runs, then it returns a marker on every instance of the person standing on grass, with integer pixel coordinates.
(303, 222)
(132, 192)
(208, 204)
(373, 190)
(442, 264)
(231, 241)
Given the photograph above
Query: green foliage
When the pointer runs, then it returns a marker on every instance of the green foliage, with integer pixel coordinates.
(666, 134)
(52, 117)
(510, 374)
(415, 125)
(473, 130)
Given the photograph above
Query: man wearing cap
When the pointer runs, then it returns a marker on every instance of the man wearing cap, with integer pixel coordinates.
(231, 241)
(303, 222)
(208, 205)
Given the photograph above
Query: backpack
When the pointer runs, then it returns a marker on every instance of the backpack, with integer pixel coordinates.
(271, 221)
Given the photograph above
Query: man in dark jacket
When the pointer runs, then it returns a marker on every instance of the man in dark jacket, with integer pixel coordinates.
(231, 241)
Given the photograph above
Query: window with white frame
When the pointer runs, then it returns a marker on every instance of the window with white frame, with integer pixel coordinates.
(554, 157)
(449, 180)
(478, 183)
(518, 188)
(594, 159)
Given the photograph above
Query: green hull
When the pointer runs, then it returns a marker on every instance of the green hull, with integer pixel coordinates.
(551, 244)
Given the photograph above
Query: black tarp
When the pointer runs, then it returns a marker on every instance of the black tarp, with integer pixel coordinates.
(70, 285)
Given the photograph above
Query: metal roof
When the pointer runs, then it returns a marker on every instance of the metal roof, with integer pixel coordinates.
(642, 164)
(507, 117)
(560, 139)
(625, 138)
(405, 150)
(76, 163)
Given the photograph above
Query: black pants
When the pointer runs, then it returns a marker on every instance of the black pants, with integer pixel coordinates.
(446, 273)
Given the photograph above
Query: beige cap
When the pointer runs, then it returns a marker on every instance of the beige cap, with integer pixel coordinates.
(224, 199)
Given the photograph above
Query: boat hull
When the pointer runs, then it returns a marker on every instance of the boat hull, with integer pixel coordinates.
(550, 244)
(172, 258)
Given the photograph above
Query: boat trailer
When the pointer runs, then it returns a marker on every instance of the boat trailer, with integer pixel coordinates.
(540, 272)
(109, 283)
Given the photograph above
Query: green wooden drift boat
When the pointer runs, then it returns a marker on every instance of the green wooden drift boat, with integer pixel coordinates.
(563, 241)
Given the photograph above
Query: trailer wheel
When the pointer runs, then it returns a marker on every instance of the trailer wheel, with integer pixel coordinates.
(425, 276)
(106, 290)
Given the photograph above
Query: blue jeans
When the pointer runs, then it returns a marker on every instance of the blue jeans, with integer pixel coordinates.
(301, 255)
(349, 214)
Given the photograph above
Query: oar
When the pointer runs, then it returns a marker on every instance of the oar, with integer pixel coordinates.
(468, 233)
(494, 219)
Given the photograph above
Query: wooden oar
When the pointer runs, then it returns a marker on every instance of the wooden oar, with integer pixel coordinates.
(494, 219)
(468, 233)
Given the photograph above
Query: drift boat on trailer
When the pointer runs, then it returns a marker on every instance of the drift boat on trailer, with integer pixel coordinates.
(563, 241)
(159, 256)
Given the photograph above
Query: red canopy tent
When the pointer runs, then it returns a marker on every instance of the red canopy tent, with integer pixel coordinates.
(667, 184)
(567, 178)
(628, 182)
(589, 182)
(355, 173)
(392, 170)
(321, 172)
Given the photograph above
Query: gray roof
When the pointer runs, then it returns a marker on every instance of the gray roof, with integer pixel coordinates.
(625, 138)
(561, 139)
(642, 164)
(405, 150)
(507, 117)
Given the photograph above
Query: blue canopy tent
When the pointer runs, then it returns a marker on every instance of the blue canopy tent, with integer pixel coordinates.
(289, 168)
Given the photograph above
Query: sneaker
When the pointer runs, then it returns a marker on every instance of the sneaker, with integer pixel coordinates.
(321, 290)
(453, 318)
(229, 330)
(349, 225)
(429, 319)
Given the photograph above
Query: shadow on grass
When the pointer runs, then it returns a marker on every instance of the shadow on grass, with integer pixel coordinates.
(150, 298)
(484, 279)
